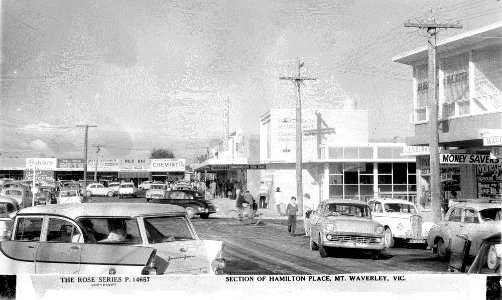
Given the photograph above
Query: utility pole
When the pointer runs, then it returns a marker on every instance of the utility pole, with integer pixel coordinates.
(85, 157)
(98, 148)
(432, 29)
(297, 80)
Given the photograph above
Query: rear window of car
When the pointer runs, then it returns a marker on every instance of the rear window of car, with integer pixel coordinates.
(127, 185)
(399, 207)
(68, 194)
(157, 187)
(491, 214)
(167, 229)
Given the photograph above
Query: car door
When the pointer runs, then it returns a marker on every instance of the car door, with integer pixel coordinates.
(451, 229)
(100, 189)
(21, 250)
(59, 250)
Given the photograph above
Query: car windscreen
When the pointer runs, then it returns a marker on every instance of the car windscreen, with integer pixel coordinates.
(346, 209)
(490, 214)
(68, 194)
(6, 209)
(400, 208)
(111, 230)
(13, 193)
(167, 229)
(157, 187)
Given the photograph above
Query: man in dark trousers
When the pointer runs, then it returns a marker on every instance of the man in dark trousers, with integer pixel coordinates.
(239, 204)
(291, 211)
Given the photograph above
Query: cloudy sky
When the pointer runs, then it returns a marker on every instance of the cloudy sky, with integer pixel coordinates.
(155, 73)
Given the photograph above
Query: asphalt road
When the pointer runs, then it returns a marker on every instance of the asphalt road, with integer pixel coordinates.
(268, 249)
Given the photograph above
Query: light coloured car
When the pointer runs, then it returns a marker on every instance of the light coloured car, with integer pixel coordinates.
(8, 207)
(114, 186)
(489, 257)
(98, 230)
(145, 185)
(23, 196)
(401, 221)
(97, 189)
(340, 223)
(69, 196)
(127, 189)
(156, 191)
(472, 219)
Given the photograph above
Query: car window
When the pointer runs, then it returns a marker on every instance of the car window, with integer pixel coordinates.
(455, 215)
(347, 209)
(99, 186)
(399, 207)
(92, 186)
(6, 209)
(378, 207)
(14, 192)
(62, 231)
(111, 230)
(490, 214)
(28, 229)
(471, 216)
(167, 229)
(177, 195)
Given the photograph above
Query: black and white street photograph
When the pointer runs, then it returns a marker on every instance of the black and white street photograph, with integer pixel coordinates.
(325, 139)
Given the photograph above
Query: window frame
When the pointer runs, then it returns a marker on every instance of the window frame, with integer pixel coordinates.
(75, 225)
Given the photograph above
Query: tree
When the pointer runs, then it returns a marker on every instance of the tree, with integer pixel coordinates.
(161, 153)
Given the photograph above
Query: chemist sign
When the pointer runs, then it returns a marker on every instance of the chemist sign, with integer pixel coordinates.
(167, 165)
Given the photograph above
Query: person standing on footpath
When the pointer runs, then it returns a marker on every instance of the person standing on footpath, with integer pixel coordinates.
(278, 199)
(212, 188)
(308, 207)
(291, 211)
(263, 195)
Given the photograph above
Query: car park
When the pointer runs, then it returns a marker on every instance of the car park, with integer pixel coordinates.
(472, 219)
(194, 202)
(156, 191)
(23, 196)
(69, 196)
(97, 189)
(106, 238)
(127, 189)
(401, 221)
(8, 207)
(339, 223)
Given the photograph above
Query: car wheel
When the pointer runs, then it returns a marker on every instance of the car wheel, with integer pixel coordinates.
(88, 194)
(147, 200)
(110, 194)
(443, 253)
(375, 255)
(388, 238)
(204, 216)
(322, 250)
(313, 245)
(191, 211)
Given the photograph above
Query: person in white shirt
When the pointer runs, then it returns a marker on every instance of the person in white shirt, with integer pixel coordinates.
(308, 207)
(279, 200)
(263, 194)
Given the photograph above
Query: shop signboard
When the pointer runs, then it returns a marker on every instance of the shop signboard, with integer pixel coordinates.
(497, 152)
(41, 163)
(493, 140)
(417, 150)
(469, 159)
(489, 180)
(103, 165)
(167, 165)
(219, 167)
(258, 167)
(238, 167)
(40, 175)
(70, 164)
(134, 165)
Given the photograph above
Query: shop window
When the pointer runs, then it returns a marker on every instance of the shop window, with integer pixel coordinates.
(350, 178)
(336, 168)
(366, 179)
(351, 191)
(400, 173)
(412, 179)
(336, 191)
(335, 152)
(400, 188)
(367, 168)
(335, 179)
(366, 152)
(412, 168)
(384, 188)
(385, 168)
(350, 152)
(384, 179)
(412, 188)
(366, 190)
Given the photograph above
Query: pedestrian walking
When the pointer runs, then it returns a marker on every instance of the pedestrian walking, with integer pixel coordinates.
(249, 199)
(263, 195)
(239, 204)
(291, 211)
(212, 189)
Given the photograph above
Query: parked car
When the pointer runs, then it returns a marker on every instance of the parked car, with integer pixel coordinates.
(156, 191)
(97, 189)
(194, 202)
(475, 219)
(339, 223)
(114, 186)
(69, 196)
(489, 257)
(23, 196)
(45, 195)
(400, 220)
(107, 238)
(127, 189)
(145, 185)
(7, 207)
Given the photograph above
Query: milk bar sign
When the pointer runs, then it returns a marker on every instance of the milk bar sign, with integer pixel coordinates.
(469, 159)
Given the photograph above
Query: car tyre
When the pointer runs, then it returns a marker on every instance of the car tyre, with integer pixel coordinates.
(110, 194)
(443, 253)
(204, 216)
(388, 238)
(191, 211)
(88, 194)
(322, 250)
(312, 244)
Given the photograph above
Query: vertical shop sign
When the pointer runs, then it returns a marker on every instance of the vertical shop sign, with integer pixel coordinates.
(489, 180)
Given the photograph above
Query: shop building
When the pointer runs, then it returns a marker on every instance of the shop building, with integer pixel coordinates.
(470, 114)
(339, 160)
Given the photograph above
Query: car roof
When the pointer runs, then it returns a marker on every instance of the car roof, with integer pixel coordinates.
(477, 204)
(75, 210)
(344, 201)
(4, 199)
(392, 200)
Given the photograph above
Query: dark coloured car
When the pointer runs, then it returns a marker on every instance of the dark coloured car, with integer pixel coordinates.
(193, 201)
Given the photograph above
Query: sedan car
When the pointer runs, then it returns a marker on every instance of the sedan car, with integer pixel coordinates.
(474, 219)
(97, 189)
(107, 238)
(7, 207)
(69, 196)
(23, 196)
(339, 223)
(194, 202)
(127, 189)
(400, 220)
(489, 257)
(114, 186)
(156, 191)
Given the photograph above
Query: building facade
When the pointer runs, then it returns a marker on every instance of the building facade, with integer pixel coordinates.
(339, 161)
(470, 114)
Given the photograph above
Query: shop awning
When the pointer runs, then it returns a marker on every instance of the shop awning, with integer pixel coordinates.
(140, 174)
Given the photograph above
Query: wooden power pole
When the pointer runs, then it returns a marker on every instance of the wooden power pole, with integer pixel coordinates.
(98, 148)
(85, 157)
(297, 80)
(432, 29)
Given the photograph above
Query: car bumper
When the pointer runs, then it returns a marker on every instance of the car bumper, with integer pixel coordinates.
(412, 239)
(357, 241)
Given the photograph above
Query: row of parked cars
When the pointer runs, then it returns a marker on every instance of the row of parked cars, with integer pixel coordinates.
(470, 228)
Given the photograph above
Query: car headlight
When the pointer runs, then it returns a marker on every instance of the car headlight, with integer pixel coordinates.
(400, 226)
(330, 227)
(379, 229)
